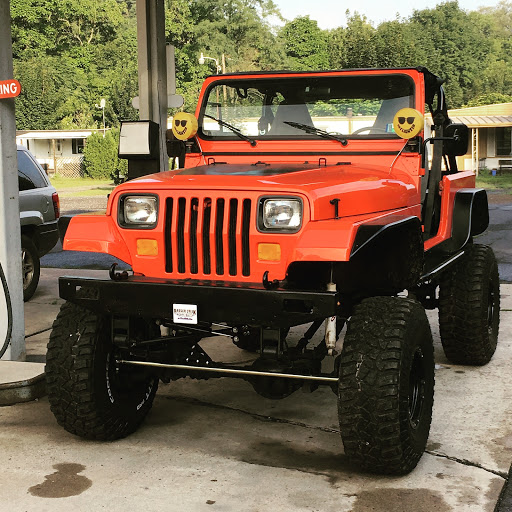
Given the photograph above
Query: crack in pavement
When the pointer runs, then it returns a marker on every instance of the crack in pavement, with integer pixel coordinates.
(256, 416)
(292, 468)
(271, 419)
(465, 462)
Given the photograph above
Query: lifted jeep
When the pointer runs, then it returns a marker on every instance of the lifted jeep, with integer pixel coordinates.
(316, 197)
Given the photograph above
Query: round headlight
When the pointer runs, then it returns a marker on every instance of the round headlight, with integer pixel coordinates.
(141, 210)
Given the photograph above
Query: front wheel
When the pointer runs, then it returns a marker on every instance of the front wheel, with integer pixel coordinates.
(90, 395)
(386, 385)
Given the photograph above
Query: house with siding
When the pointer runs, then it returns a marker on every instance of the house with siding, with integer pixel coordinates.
(58, 151)
(490, 136)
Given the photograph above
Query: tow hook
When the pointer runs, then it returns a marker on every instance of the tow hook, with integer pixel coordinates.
(269, 285)
(117, 276)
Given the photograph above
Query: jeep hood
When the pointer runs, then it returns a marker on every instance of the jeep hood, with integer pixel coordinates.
(361, 189)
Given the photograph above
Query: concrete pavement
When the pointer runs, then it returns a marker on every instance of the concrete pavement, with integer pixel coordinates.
(217, 445)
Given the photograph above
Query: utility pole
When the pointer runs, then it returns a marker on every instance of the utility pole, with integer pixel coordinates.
(152, 64)
(10, 237)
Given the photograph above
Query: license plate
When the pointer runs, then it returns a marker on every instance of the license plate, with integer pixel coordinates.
(184, 313)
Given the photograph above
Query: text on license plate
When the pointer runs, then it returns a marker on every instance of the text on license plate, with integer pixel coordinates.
(184, 313)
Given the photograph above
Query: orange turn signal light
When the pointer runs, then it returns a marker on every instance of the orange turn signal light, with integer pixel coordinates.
(269, 252)
(147, 247)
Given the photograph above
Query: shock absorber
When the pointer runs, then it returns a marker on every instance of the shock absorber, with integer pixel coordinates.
(330, 327)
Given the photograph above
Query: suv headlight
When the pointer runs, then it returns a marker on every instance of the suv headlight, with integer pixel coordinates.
(139, 211)
(280, 214)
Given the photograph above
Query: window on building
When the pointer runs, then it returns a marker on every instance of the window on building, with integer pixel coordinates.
(77, 146)
(504, 141)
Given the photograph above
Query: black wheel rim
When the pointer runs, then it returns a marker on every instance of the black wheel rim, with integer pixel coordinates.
(124, 385)
(416, 389)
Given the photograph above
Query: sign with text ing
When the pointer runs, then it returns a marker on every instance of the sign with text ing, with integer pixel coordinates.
(9, 88)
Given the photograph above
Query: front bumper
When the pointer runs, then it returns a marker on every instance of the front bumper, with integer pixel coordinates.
(216, 302)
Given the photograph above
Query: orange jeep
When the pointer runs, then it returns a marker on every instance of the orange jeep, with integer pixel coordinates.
(302, 197)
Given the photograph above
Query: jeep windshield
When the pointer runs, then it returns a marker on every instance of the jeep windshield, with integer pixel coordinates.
(305, 107)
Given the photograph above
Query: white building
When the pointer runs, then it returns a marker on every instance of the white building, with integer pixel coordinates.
(58, 151)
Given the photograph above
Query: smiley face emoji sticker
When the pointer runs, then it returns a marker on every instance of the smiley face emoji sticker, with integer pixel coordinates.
(184, 125)
(408, 122)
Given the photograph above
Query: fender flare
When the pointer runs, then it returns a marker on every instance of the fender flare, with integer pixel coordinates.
(370, 232)
(470, 218)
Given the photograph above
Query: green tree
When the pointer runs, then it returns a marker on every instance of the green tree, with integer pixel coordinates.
(54, 26)
(454, 44)
(42, 93)
(359, 42)
(336, 48)
(489, 99)
(305, 44)
(100, 156)
(394, 44)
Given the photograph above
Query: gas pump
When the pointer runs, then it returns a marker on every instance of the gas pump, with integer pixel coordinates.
(156, 68)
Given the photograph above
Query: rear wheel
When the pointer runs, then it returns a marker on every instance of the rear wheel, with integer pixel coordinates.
(469, 308)
(386, 385)
(89, 394)
(30, 267)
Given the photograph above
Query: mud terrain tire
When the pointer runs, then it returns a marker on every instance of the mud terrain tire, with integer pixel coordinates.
(469, 308)
(87, 396)
(386, 385)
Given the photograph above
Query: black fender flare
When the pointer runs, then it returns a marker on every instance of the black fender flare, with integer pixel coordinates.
(470, 218)
(372, 231)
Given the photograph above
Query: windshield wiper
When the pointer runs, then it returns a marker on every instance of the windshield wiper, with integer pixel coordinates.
(235, 130)
(317, 131)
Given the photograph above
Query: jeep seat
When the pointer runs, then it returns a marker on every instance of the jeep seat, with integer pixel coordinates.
(297, 113)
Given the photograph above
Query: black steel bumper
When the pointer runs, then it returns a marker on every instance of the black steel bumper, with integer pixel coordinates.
(232, 303)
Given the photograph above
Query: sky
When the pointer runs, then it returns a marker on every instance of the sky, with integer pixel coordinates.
(331, 13)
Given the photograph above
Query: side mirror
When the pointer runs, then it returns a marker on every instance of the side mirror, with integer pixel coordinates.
(456, 141)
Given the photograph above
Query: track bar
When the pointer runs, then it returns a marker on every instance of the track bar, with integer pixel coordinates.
(230, 371)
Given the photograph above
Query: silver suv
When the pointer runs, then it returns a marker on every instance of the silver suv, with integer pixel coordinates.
(39, 214)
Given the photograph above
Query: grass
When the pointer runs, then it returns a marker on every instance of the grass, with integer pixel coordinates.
(485, 179)
(86, 193)
(81, 187)
(69, 183)
(501, 181)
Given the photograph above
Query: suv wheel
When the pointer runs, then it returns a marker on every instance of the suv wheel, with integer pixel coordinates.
(469, 308)
(30, 267)
(90, 395)
(386, 385)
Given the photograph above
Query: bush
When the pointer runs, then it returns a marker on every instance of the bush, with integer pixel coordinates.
(100, 155)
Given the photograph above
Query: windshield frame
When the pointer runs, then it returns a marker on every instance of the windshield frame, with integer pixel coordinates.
(233, 79)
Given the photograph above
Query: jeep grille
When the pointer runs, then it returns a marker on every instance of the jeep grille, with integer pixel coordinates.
(207, 235)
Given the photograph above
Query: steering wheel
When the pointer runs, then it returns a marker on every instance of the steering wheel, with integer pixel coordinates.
(368, 128)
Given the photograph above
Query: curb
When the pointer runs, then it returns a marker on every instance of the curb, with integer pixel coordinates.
(31, 383)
